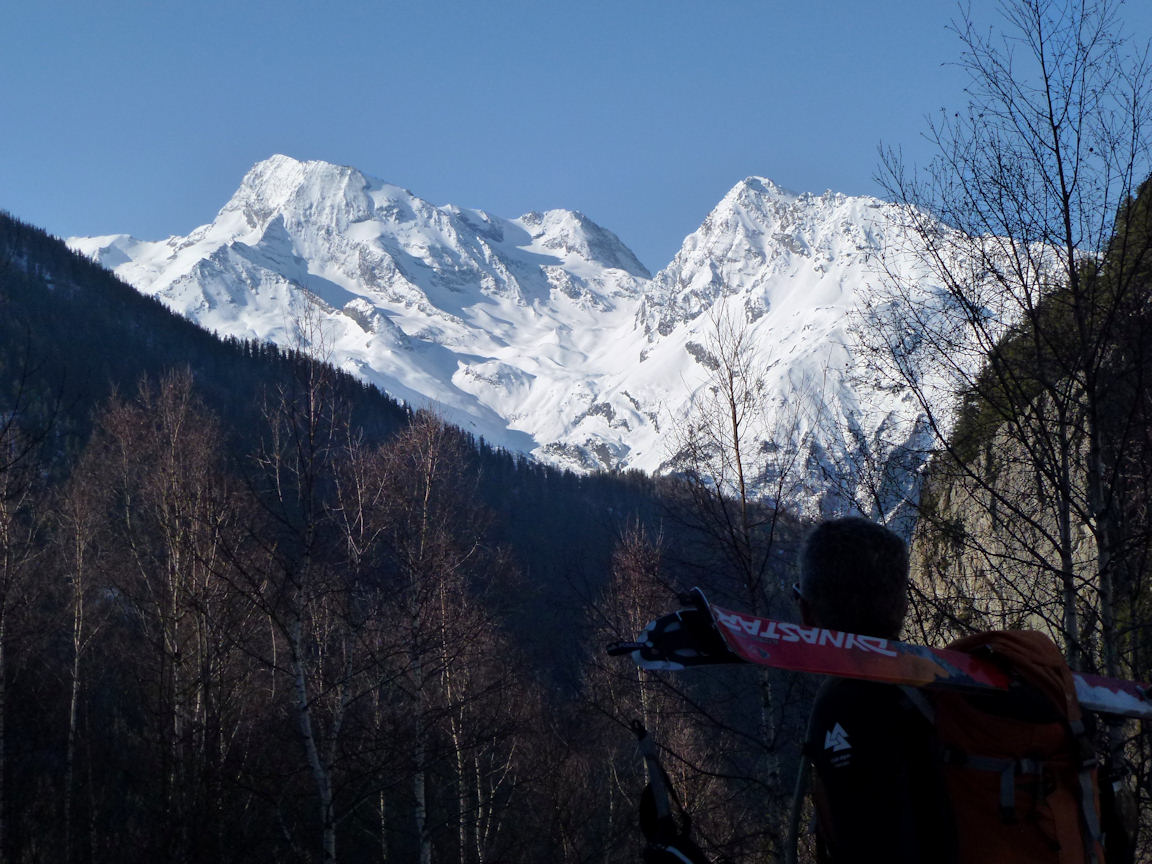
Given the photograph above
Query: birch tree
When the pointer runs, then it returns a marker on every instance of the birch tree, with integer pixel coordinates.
(740, 470)
(458, 673)
(168, 502)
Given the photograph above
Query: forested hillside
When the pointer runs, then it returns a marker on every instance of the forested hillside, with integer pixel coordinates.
(253, 610)
(72, 335)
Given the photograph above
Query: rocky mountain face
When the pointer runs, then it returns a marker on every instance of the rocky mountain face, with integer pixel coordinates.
(544, 334)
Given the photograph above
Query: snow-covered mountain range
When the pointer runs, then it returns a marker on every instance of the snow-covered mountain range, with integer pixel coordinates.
(544, 334)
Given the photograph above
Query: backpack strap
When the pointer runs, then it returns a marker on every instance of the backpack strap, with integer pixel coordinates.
(920, 702)
(1008, 769)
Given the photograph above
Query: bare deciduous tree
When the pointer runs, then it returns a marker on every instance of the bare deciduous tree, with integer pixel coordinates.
(156, 472)
(740, 473)
(79, 520)
(1023, 222)
(458, 674)
(1011, 222)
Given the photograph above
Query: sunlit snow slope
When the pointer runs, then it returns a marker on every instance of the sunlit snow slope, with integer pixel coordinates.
(544, 334)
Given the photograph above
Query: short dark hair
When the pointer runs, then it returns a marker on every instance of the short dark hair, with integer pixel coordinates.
(854, 577)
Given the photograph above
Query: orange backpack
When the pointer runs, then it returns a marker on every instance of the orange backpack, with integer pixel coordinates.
(1019, 767)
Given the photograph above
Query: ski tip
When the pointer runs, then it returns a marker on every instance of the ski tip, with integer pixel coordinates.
(693, 597)
(619, 649)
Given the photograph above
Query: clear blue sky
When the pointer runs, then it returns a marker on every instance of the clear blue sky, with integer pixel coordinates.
(142, 117)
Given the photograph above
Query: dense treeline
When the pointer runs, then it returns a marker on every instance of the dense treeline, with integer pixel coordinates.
(71, 332)
(252, 610)
(212, 664)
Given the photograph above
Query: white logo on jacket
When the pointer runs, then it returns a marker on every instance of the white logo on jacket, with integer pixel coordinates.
(836, 739)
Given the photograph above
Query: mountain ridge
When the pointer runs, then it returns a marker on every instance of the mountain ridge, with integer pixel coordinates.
(544, 334)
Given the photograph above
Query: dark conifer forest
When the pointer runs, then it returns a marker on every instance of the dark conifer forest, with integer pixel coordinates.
(254, 610)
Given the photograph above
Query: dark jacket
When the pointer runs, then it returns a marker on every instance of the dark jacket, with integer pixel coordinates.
(878, 782)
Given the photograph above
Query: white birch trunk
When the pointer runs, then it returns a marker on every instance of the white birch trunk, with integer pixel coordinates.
(321, 776)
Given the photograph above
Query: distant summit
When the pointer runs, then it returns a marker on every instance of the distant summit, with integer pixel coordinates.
(544, 333)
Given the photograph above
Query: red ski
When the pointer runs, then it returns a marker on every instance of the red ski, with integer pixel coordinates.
(703, 634)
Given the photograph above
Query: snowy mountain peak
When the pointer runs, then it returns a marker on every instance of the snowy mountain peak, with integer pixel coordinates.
(317, 196)
(761, 235)
(544, 333)
(751, 188)
(332, 194)
(571, 232)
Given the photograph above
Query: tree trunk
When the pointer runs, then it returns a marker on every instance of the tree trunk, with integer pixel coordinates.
(461, 789)
(73, 713)
(382, 820)
(3, 734)
(321, 776)
(420, 795)
(1071, 621)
